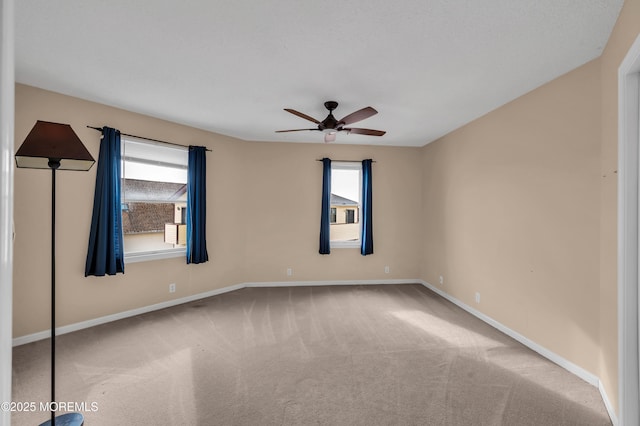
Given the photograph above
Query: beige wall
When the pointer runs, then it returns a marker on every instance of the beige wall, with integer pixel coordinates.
(248, 237)
(511, 210)
(282, 176)
(81, 298)
(520, 205)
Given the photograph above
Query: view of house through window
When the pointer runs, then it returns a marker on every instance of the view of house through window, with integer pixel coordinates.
(346, 188)
(154, 196)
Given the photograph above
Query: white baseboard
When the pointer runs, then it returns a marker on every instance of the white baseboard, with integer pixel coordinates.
(607, 404)
(557, 359)
(41, 335)
(326, 283)
(121, 315)
(551, 356)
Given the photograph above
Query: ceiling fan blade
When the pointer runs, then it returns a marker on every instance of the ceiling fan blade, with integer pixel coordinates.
(294, 130)
(358, 115)
(329, 137)
(301, 115)
(369, 132)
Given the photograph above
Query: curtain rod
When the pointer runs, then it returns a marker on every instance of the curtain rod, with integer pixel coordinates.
(346, 161)
(142, 137)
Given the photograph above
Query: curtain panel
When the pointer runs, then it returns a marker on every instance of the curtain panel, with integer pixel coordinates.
(105, 254)
(197, 206)
(325, 245)
(366, 246)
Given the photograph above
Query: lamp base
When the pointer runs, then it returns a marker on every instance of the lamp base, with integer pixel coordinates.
(68, 419)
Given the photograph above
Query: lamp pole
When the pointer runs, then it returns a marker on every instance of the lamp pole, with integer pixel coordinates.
(53, 164)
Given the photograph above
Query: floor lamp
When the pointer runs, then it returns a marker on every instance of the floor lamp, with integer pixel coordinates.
(56, 147)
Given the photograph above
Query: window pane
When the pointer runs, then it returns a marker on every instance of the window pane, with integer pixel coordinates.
(345, 202)
(346, 183)
(154, 194)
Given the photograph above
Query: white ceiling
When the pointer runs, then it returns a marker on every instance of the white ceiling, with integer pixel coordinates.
(427, 66)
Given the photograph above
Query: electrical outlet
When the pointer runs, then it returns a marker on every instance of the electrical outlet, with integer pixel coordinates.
(441, 280)
(386, 270)
(172, 288)
(477, 297)
(289, 272)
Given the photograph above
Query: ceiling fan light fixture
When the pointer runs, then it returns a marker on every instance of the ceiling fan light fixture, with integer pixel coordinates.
(329, 137)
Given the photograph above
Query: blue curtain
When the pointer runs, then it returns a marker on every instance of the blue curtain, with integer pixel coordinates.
(367, 216)
(326, 207)
(197, 206)
(106, 253)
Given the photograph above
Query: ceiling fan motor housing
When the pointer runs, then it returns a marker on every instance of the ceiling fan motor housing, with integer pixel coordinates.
(329, 124)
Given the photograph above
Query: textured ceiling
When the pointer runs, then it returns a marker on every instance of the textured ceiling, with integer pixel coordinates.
(427, 66)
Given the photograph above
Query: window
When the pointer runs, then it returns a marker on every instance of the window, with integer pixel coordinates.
(154, 199)
(350, 216)
(346, 187)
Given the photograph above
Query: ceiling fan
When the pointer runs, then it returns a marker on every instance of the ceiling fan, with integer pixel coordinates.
(330, 126)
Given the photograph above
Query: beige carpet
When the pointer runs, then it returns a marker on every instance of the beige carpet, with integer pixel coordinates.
(352, 355)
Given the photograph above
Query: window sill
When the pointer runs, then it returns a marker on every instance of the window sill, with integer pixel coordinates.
(154, 255)
(344, 244)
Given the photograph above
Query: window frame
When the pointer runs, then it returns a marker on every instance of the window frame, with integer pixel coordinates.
(348, 165)
(149, 255)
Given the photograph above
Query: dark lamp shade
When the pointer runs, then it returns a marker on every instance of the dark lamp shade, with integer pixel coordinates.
(53, 142)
